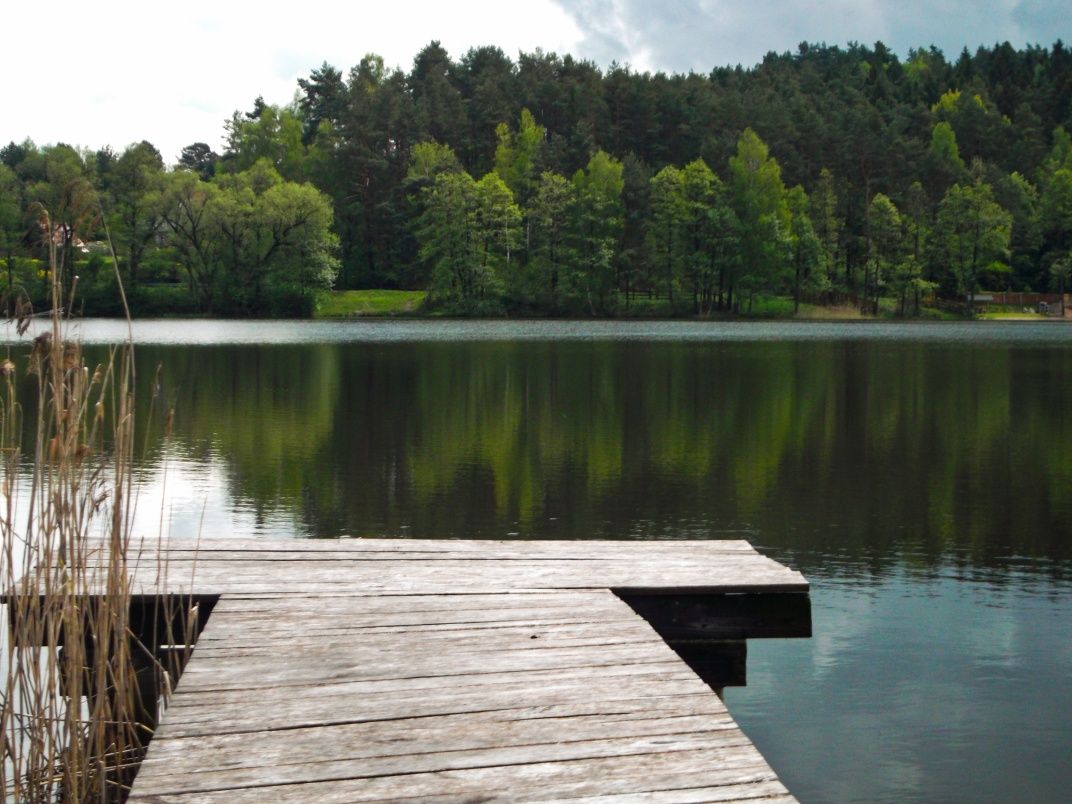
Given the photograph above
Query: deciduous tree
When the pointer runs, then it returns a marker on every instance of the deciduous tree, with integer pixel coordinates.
(136, 186)
(600, 224)
(759, 201)
(971, 231)
(884, 225)
(517, 154)
(551, 214)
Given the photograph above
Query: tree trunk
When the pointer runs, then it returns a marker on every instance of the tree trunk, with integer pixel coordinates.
(796, 290)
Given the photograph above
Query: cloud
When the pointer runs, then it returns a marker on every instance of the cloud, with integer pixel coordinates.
(125, 70)
(679, 35)
(1042, 20)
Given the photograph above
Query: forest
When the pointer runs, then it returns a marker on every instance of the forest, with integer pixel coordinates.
(548, 186)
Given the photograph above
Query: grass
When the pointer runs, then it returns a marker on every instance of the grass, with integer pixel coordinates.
(642, 307)
(360, 303)
(341, 304)
(844, 312)
(1015, 315)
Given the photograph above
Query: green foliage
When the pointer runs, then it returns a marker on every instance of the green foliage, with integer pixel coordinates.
(763, 306)
(647, 217)
(693, 236)
(665, 230)
(972, 232)
(1020, 198)
(62, 186)
(1056, 206)
(438, 103)
(252, 243)
(551, 250)
(884, 226)
(498, 223)
(324, 101)
(199, 158)
(916, 218)
(758, 198)
(12, 223)
(468, 233)
(827, 225)
(945, 166)
(136, 183)
(154, 300)
(274, 135)
(600, 225)
(517, 154)
(982, 131)
(463, 255)
(806, 251)
(1061, 273)
(428, 160)
(189, 205)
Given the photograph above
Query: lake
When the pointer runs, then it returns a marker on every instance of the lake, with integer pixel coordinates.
(920, 475)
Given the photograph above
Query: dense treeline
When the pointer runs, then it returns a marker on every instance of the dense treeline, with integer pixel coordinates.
(547, 184)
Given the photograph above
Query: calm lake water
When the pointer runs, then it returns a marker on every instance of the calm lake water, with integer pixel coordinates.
(920, 475)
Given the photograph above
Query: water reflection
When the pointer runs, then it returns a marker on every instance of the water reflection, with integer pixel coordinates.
(923, 484)
(832, 452)
(918, 690)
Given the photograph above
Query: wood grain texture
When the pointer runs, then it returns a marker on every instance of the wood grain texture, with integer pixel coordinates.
(390, 670)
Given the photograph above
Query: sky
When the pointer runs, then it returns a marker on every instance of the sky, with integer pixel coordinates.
(119, 71)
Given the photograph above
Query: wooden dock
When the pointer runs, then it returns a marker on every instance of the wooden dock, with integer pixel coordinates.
(395, 670)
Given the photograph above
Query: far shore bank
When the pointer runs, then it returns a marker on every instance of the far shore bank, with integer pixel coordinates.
(365, 304)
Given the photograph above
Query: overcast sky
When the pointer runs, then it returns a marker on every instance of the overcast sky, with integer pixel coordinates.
(117, 71)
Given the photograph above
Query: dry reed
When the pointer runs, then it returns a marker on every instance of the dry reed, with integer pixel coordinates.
(80, 680)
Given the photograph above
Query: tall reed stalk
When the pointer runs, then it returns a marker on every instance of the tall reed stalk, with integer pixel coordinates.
(77, 680)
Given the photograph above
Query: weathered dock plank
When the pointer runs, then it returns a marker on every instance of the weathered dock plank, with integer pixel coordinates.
(370, 670)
